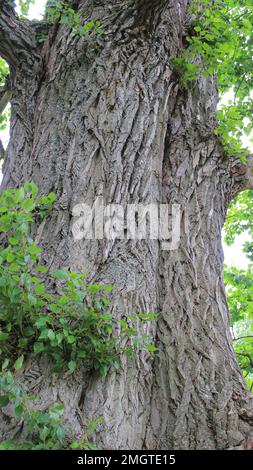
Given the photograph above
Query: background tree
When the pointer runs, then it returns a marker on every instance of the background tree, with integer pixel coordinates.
(109, 114)
(239, 283)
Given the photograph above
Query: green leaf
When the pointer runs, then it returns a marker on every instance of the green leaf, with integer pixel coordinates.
(5, 364)
(28, 205)
(38, 347)
(51, 197)
(107, 288)
(41, 269)
(71, 339)
(72, 366)
(44, 433)
(18, 363)
(82, 354)
(51, 335)
(44, 333)
(14, 241)
(61, 274)
(39, 289)
(31, 188)
(28, 331)
(124, 324)
(150, 348)
(93, 425)
(54, 308)
(20, 195)
(3, 337)
(43, 320)
(4, 401)
(34, 250)
(75, 445)
(14, 267)
(94, 288)
(19, 410)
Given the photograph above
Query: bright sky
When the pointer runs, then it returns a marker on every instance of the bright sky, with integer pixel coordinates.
(233, 255)
(37, 10)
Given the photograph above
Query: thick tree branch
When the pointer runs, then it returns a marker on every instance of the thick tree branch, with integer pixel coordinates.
(149, 11)
(17, 38)
(146, 6)
(241, 174)
(5, 94)
(249, 173)
(133, 13)
(2, 152)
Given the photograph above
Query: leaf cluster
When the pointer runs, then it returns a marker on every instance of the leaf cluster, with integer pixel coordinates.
(70, 325)
(57, 314)
(219, 42)
(41, 430)
(239, 285)
(62, 13)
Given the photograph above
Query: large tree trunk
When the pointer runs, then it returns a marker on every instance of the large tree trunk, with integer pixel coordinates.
(108, 117)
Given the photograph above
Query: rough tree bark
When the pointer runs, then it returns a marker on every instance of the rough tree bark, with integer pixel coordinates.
(108, 117)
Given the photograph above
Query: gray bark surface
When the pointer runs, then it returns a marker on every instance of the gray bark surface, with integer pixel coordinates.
(108, 117)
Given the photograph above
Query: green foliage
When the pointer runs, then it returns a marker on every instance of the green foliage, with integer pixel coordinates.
(23, 6)
(220, 43)
(41, 430)
(239, 284)
(61, 12)
(68, 321)
(240, 299)
(83, 443)
(4, 71)
(71, 326)
(240, 293)
(186, 69)
(4, 120)
(240, 217)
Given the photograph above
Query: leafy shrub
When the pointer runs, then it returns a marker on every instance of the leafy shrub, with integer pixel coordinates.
(218, 43)
(62, 13)
(41, 430)
(239, 282)
(69, 326)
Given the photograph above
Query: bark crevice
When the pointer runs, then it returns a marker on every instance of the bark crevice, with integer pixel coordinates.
(110, 119)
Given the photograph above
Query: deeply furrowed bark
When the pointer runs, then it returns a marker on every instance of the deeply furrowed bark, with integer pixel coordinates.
(108, 117)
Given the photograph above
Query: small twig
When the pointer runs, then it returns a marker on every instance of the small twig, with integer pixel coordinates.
(243, 337)
(248, 356)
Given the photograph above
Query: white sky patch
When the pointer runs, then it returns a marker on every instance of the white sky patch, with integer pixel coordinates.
(37, 10)
(234, 255)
